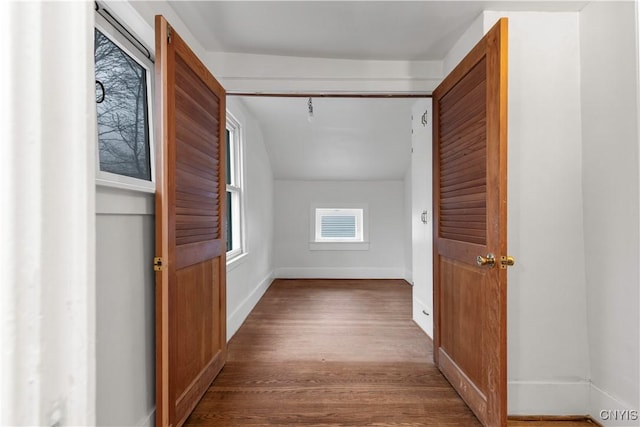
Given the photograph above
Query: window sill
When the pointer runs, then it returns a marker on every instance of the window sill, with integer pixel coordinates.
(140, 186)
(339, 246)
(236, 261)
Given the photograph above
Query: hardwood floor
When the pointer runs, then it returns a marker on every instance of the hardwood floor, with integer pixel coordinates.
(332, 353)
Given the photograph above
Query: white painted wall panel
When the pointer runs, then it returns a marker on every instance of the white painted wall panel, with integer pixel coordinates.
(611, 218)
(422, 200)
(408, 250)
(460, 49)
(47, 226)
(249, 278)
(125, 324)
(547, 325)
(386, 255)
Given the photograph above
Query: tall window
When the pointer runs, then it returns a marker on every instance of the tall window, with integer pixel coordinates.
(234, 223)
(123, 100)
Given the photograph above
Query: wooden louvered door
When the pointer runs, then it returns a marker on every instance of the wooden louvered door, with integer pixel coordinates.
(470, 201)
(190, 196)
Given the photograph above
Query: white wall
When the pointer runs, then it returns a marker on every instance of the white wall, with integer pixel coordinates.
(469, 38)
(610, 191)
(125, 324)
(47, 292)
(548, 365)
(408, 250)
(421, 200)
(386, 255)
(248, 278)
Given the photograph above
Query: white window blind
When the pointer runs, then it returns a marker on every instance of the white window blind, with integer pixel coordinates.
(338, 225)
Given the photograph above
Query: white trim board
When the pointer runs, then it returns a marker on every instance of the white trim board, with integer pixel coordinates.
(548, 398)
(569, 398)
(599, 400)
(339, 273)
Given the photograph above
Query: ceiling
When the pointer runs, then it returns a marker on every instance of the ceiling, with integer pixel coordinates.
(350, 139)
(347, 139)
(384, 30)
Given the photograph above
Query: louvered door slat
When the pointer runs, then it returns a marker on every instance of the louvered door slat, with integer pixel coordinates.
(463, 156)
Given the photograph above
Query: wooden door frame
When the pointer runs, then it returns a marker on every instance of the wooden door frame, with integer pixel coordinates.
(381, 95)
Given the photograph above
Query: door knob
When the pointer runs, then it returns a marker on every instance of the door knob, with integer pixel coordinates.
(490, 260)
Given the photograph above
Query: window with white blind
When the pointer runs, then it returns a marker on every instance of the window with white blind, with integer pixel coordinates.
(339, 225)
(339, 228)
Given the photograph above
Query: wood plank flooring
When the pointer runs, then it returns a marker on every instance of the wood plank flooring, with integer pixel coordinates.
(332, 353)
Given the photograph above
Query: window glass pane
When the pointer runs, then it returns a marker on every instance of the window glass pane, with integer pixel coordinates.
(229, 222)
(338, 226)
(228, 157)
(121, 97)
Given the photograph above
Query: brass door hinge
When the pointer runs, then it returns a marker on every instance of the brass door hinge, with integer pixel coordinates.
(157, 264)
(169, 34)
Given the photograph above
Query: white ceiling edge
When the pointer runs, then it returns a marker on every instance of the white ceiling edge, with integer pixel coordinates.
(249, 73)
(383, 30)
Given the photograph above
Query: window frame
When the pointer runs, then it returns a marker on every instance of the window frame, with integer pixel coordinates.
(338, 244)
(236, 186)
(110, 179)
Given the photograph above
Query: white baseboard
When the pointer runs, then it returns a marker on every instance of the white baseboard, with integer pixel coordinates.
(609, 411)
(339, 273)
(424, 321)
(235, 319)
(548, 398)
(149, 420)
(570, 398)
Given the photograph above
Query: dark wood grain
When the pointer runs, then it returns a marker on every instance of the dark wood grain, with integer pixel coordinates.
(335, 353)
(190, 196)
(469, 182)
(462, 155)
(331, 353)
(552, 421)
(197, 154)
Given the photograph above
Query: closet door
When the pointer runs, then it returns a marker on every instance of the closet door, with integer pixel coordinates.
(470, 227)
(190, 242)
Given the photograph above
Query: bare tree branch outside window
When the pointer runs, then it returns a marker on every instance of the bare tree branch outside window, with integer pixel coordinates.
(123, 130)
